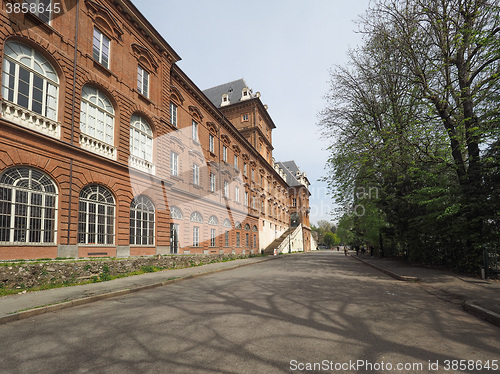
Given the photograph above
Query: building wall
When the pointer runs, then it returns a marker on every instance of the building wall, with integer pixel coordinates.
(74, 161)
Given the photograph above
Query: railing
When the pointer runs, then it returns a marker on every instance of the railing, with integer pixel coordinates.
(97, 146)
(284, 246)
(141, 164)
(29, 119)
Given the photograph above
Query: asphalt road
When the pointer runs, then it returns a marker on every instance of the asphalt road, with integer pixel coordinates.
(323, 311)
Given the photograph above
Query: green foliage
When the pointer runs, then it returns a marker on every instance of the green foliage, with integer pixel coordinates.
(329, 239)
(421, 129)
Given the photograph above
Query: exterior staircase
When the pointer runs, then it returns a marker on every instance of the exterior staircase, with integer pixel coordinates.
(276, 243)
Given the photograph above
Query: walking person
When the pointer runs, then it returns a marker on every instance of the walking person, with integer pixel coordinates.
(345, 250)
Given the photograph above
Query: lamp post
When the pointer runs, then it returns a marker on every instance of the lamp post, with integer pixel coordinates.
(289, 235)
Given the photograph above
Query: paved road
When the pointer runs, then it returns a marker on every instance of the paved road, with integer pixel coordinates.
(273, 317)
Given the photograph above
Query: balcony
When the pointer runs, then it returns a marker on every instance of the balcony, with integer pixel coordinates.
(30, 120)
(141, 164)
(97, 146)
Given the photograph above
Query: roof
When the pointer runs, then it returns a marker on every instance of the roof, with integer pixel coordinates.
(232, 89)
(291, 169)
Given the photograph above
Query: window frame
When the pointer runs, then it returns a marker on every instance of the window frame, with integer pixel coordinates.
(19, 188)
(144, 136)
(174, 164)
(13, 82)
(99, 48)
(173, 114)
(101, 230)
(103, 108)
(143, 81)
(211, 143)
(194, 127)
(196, 174)
(145, 226)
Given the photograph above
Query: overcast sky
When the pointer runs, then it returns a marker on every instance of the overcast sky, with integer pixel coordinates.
(282, 48)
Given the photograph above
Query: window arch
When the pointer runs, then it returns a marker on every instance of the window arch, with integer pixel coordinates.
(175, 212)
(28, 206)
(196, 217)
(141, 138)
(97, 121)
(96, 215)
(213, 221)
(142, 221)
(29, 80)
(247, 227)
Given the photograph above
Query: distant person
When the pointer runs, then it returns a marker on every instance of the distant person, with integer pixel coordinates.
(357, 250)
(345, 250)
(338, 248)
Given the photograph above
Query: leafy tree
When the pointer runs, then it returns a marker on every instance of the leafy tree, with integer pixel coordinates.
(329, 239)
(409, 118)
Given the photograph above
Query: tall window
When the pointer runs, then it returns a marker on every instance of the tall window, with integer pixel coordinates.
(173, 114)
(29, 80)
(246, 198)
(196, 236)
(226, 239)
(43, 9)
(195, 130)
(28, 206)
(236, 162)
(226, 189)
(142, 81)
(212, 182)
(212, 237)
(100, 50)
(142, 221)
(224, 153)
(237, 194)
(211, 146)
(238, 239)
(196, 174)
(96, 216)
(141, 139)
(97, 115)
(174, 164)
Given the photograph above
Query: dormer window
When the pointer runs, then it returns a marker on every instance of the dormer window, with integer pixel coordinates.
(245, 93)
(225, 100)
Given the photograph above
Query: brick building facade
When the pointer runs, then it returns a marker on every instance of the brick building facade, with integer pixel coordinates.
(108, 149)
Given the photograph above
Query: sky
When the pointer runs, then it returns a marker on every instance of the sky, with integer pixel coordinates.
(282, 48)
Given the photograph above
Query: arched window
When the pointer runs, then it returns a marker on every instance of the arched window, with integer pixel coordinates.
(175, 212)
(247, 227)
(196, 217)
(213, 221)
(96, 216)
(237, 225)
(29, 80)
(141, 139)
(142, 221)
(28, 206)
(226, 223)
(97, 120)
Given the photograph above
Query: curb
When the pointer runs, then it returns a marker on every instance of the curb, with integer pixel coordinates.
(482, 313)
(16, 316)
(403, 278)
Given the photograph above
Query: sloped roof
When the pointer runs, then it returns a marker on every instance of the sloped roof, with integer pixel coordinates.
(290, 168)
(232, 89)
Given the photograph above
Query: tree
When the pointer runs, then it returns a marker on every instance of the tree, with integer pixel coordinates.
(329, 239)
(409, 118)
